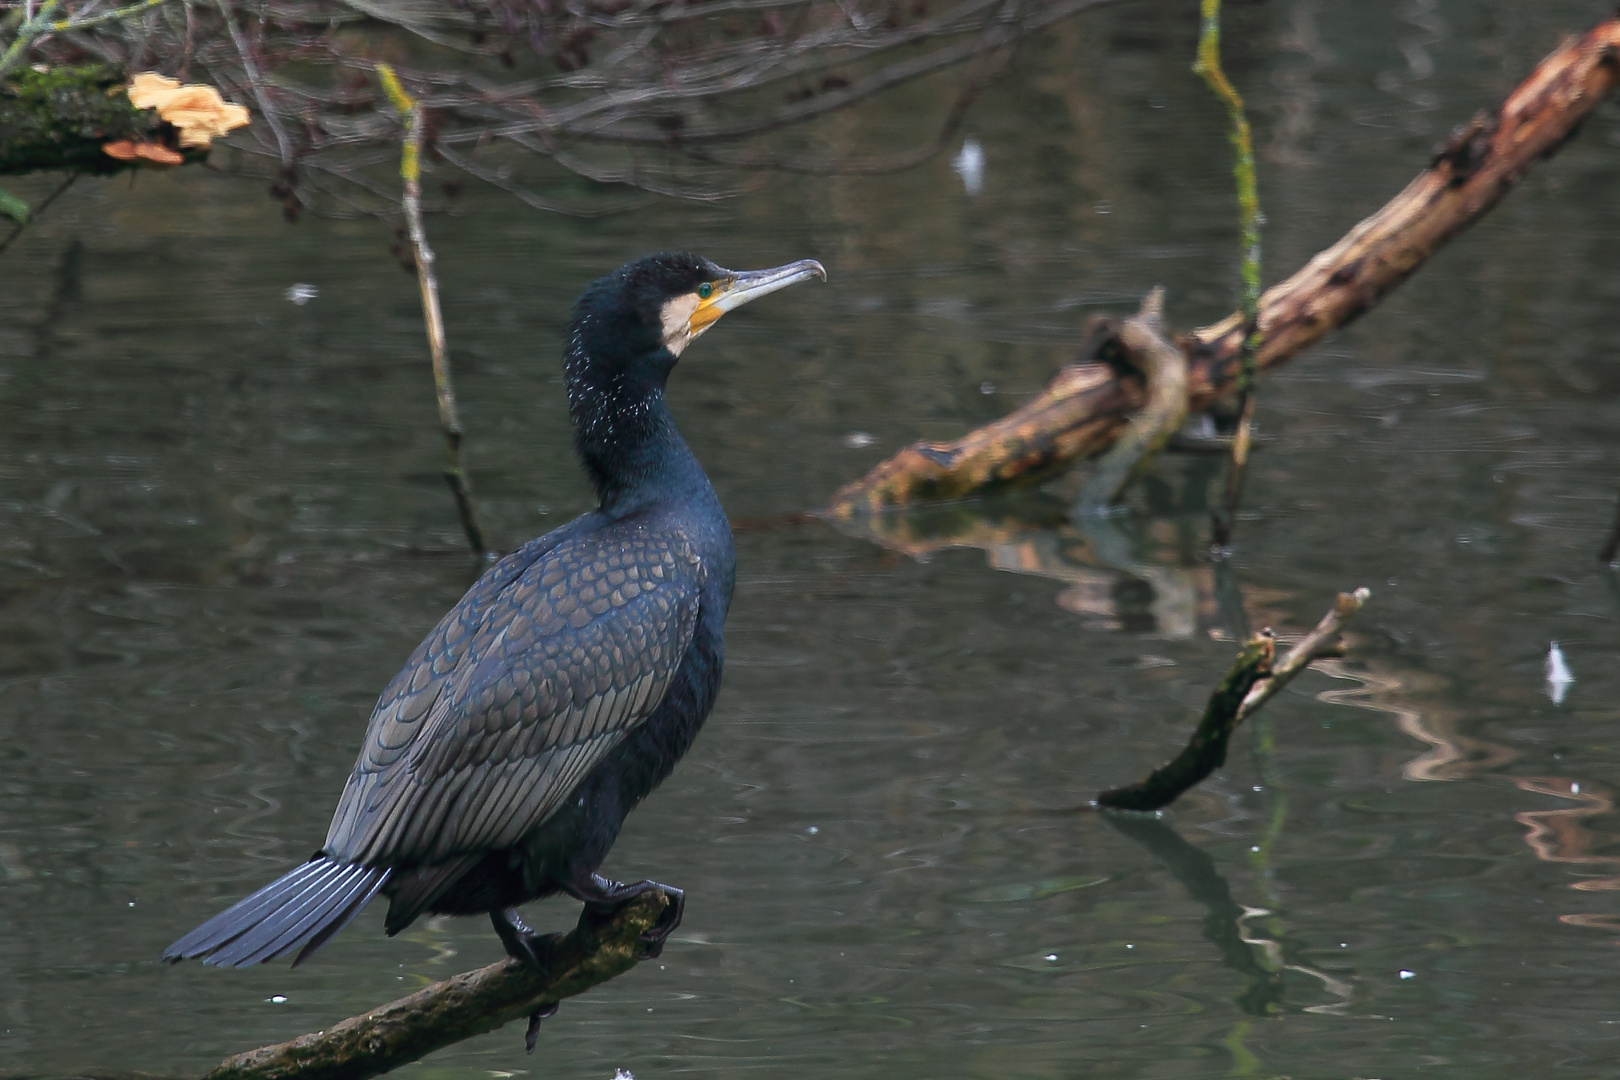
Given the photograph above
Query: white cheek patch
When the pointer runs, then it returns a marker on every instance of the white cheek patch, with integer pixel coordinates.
(677, 321)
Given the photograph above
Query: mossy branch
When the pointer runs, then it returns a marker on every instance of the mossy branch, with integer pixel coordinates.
(458, 1008)
(1253, 680)
(61, 118)
(1208, 65)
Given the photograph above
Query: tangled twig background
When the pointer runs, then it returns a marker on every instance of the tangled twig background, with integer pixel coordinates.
(680, 98)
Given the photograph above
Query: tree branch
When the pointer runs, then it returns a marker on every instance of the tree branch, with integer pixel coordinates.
(458, 1008)
(1252, 681)
(1083, 409)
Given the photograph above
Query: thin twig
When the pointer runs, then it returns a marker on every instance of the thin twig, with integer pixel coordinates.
(256, 83)
(64, 25)
(1320, 644)
(891, 163)
(410, 170)
(31, 28)
(38, 210)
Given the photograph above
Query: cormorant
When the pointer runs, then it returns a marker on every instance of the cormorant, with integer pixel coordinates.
(501, 761)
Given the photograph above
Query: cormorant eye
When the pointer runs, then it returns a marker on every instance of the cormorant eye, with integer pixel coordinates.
(705, 290)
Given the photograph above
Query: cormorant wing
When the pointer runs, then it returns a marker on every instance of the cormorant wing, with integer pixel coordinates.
(521, 688)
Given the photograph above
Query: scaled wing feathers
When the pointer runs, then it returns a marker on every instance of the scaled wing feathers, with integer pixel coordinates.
(516, 694)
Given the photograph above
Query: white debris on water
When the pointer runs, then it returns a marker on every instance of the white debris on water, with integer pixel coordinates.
(301, 293)
(856, 440)
(1559, 677)
(1407, 974)
(623, 1074)
(969, 165)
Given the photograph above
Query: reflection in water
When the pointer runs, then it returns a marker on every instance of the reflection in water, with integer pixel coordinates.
(1563, 836)
(1554, 836)
(1228, 925)
(1132, 574)
(1453, 756)
(1123, 573)
(1559, 677)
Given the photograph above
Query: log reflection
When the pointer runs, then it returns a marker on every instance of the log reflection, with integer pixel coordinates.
(1137, 574)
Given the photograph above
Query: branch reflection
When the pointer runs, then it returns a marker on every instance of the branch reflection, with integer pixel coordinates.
(1228, 925)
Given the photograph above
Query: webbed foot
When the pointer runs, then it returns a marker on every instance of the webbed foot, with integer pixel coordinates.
(523, 944)
(603, 899)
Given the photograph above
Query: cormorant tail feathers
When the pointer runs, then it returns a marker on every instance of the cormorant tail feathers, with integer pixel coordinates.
(304, 907)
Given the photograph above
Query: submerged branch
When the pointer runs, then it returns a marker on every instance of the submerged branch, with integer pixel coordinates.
(1206, 751)
(458, 1008)
(1083, 409)
(1253, 680)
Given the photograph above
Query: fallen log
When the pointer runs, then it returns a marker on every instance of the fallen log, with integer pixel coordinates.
(1085, 406)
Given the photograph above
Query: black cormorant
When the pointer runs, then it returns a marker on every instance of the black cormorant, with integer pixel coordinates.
(501, 761)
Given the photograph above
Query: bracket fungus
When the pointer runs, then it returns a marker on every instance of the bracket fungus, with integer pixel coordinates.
(196, 110)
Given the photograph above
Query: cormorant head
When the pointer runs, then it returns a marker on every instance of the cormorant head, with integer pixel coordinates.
(659, 304)
(630, 326)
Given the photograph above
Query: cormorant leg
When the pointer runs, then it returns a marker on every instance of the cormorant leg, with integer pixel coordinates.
(603, 898)
(526, 946)
(535, 1017)
(521, 942)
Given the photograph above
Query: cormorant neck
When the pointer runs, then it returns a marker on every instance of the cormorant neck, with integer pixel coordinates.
(630, 446)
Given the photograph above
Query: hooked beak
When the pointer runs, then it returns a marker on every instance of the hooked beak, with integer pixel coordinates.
(740, 287)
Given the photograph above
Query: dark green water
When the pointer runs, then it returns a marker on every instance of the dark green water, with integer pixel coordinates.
(222, 530)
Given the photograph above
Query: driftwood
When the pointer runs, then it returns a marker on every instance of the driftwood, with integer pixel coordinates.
(1252, 681)
(1084, 408)
(458, 1008)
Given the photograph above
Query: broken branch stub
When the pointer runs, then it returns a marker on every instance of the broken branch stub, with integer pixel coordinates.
(1141, 344)
(1206, 751)
(1254, 679)
(1082, 410)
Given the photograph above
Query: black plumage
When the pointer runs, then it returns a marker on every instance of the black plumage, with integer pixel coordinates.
(501, 761)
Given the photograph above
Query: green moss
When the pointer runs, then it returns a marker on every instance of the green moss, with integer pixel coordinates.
(61, 117)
